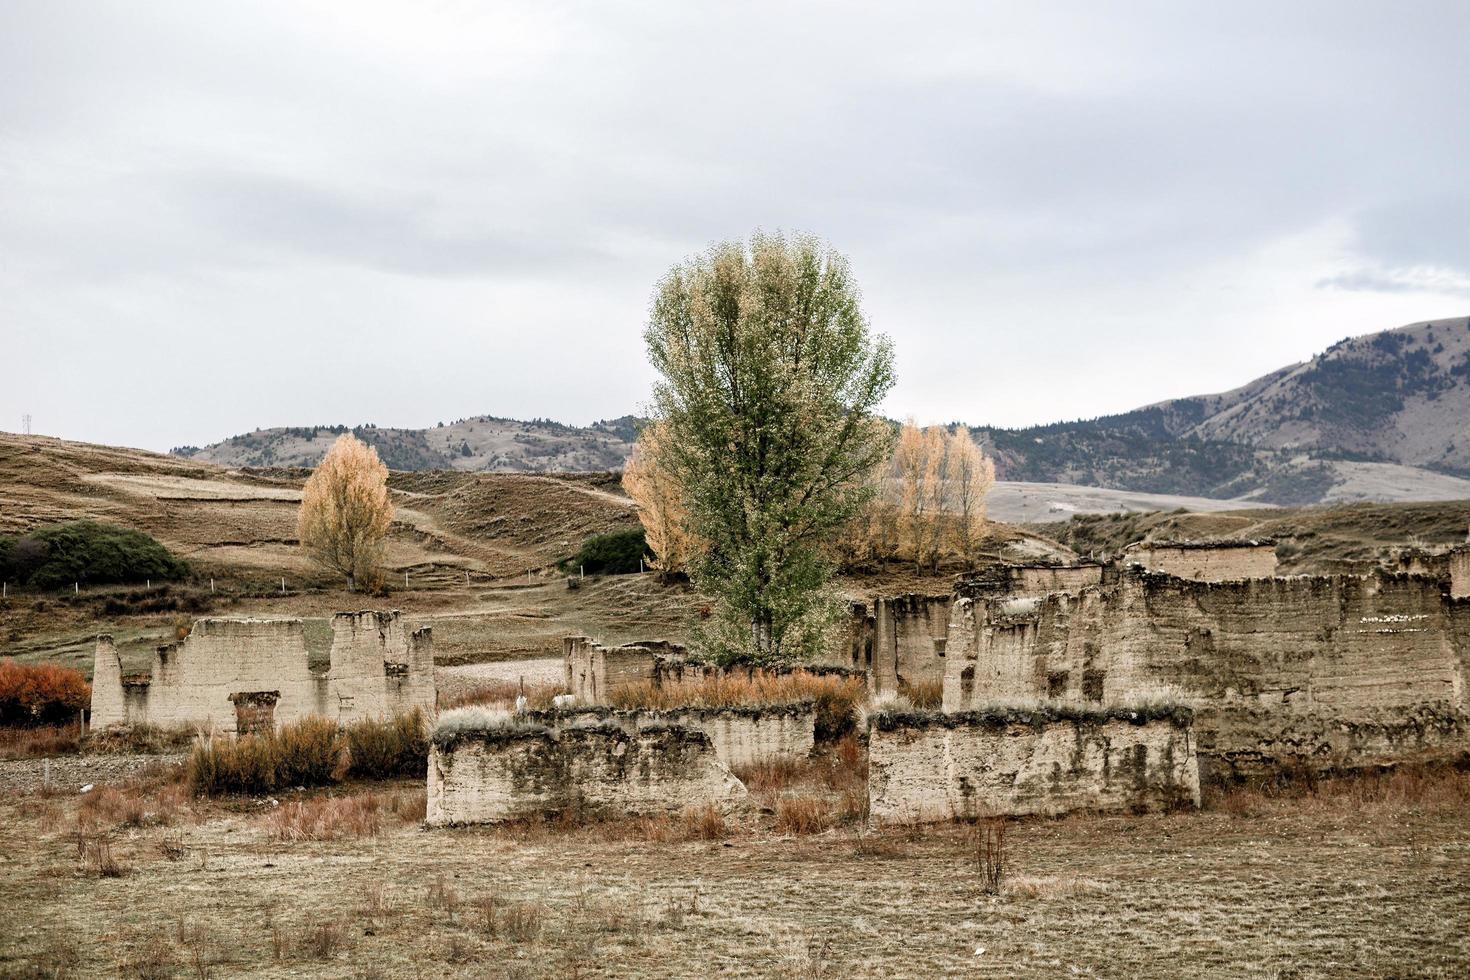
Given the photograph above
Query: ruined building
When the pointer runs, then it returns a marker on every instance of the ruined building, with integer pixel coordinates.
(1329, 671)
(1206, 561)
(253, 674)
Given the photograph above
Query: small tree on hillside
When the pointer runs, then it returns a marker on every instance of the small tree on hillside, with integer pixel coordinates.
(770, 379)
(345, 511)
(660, 502)
(968, 476)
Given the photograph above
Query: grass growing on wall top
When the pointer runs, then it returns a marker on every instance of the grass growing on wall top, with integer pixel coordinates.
(889, 719)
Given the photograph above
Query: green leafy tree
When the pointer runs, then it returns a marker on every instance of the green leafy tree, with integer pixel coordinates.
(770, 377)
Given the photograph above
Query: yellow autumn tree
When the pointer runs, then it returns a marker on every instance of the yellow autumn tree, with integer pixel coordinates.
(660, 504)
(968, 476)
(919, 466)
(345, 511)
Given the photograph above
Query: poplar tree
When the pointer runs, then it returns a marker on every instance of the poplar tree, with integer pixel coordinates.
(345, 512)
(660, 502)
(769, 380)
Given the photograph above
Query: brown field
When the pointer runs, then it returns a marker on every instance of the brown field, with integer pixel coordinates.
(1362, 877)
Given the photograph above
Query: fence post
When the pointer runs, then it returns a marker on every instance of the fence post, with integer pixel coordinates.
(283, 585)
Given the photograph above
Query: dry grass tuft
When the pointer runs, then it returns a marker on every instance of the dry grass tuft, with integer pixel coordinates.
(322, 939)
(94, 855)
(923, 695)
(801, 815)
(522, 922)
(1061, 886)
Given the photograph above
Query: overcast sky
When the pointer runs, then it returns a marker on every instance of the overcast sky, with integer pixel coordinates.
(220, 216)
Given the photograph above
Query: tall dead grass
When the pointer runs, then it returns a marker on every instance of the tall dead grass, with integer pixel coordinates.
(503, 694)
(39, 742)
(357, 816)
(310, 752)
(835, 697)
(1371, 794)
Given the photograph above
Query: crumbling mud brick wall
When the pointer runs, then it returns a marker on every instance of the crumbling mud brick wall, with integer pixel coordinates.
(592, 672)
(1030, 580)
(1330, 672)
(526, 771)
(226, 670)
(1460, 573)
(741, 734)
(377, 668)
(902, 640)
(927, 767)
(1206, 561)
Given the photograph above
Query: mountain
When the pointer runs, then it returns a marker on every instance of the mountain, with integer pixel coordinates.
(1378, 417)
(484, 444)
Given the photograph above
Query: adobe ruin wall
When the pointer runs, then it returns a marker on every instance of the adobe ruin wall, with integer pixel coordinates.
(1460, 573)
(592, 672)
(933, 767)
(741, 735)
(1029, 580)
(1206, 561)
(257, 670)
(1332, 672)
(901, 640)
(498, 775)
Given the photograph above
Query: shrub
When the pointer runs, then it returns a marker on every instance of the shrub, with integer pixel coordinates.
(310, 752)
(382, 749)
(614, 553)
(220, 766)
(86, 551)
(41, 694)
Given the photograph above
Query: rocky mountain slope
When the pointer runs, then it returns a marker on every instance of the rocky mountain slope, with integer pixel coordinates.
(1379, 417)
(484, 444)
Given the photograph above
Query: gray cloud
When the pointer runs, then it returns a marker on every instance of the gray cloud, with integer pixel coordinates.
(463, 208)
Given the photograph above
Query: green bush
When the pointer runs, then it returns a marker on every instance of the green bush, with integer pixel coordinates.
(85, 551)
(615, 553)
(383, 749)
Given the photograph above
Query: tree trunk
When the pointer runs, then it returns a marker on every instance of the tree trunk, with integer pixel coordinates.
(351, 582)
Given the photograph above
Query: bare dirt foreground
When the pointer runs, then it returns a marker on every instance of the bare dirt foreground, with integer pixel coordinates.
(1371, 878)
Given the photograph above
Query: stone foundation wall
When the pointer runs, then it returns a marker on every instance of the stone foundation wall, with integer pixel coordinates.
(740, 735)
(927, 767)
(488, 777)
(1266, 662)
(231, 668)
(1207, 562)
